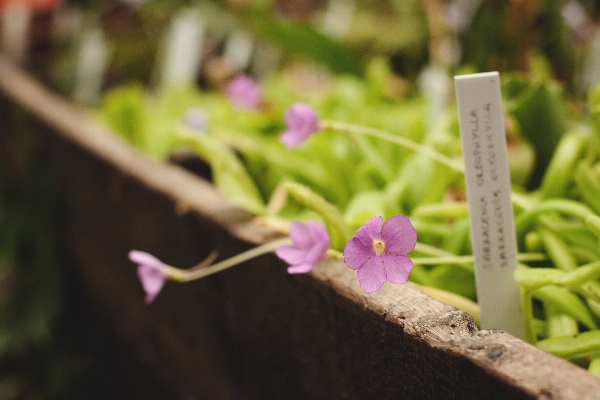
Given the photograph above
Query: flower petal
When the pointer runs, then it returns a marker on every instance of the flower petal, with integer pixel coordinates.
(399, 235)
(300, 268)
(152, 279)
(397, 268)
(356, 254)
(372, 275)
(141, 257)
(300, 235)
(303, 118)
(369, 231)
(244, 93)
(291, 255)
(291, 138)
(196, 119)
(317, 252)
(302, 121)
(317, 232)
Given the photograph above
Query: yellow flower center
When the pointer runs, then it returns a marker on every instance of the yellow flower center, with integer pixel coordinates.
(378, 247)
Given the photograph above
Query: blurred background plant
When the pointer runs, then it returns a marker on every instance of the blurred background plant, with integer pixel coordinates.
(343, 35)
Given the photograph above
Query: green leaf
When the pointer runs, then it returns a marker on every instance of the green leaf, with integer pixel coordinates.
(594, 367)
(363, 206)
(123, 109)
(567, 302)
(586, 344)
(332, 216)
(164, 114)
(580, 275)
(559, 174)
(229, 174)
(540, 112)
(532, 278)
(559, 323)
(588, 185)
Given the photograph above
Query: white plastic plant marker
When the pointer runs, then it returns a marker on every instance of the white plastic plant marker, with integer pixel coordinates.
(337, 18)
(92, 64)
(436, 85)
(489, 197)
(238, 49)
(16, 18)
(183, 52)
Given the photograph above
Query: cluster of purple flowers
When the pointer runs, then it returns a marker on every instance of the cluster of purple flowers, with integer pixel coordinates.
(377, 251)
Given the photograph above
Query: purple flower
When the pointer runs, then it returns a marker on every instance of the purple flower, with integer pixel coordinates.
(151, 271)
(380, 254)
(302, 121)
(244, 93)
(196, 119)
(310, 243)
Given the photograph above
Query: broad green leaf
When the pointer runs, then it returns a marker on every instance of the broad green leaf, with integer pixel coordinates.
(363, 206)
(588, 185)
(123, 109)
(164, 114)
(339, 231)
(540, 111)
(559, 174)
(567, 302)
(586, 344)
(229, 173)
(532, 278)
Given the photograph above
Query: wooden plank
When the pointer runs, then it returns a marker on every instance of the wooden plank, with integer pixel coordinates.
(255, 331)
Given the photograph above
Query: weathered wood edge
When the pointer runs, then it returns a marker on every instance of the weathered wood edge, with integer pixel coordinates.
(529, 370)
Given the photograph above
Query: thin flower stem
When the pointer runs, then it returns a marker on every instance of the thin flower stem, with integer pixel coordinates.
(204, 269)
(446, 259)
(193, 274)
(206, 262)
(402, 141)
(278, 224)
(469, 259)
(454, 164)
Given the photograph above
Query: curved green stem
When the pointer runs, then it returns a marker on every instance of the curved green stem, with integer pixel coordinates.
(469, 259)
(440, 257)
(197, 273)
(560, 171)
(390, 137)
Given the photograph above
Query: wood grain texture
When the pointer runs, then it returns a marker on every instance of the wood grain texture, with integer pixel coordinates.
(254, 331)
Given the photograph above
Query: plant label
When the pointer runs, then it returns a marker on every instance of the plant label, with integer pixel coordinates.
(489, 197)
(337, 18)
(238, 50)
(16, 18)
(92, 63)
(184, 44)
